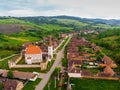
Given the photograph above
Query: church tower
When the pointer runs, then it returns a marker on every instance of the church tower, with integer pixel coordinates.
(50, 49)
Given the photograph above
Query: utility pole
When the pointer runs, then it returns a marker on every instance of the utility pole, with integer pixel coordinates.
(55, 81)
(68, 84)
(58, 75)
(48, 86)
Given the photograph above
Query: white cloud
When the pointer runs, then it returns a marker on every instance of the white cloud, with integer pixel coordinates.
(81, 8)
(22, 12)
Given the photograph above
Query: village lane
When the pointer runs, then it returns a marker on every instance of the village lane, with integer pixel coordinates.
(46, 77)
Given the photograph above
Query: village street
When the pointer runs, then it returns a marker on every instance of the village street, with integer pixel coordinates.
(45, 77)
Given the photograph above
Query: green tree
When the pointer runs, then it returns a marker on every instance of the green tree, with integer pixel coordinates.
(64, 62)
(10, 74)
(1, 86)
(57, 70)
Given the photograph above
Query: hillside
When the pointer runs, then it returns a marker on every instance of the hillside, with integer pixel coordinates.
(76, 23)
(14, 32)
(10, 25)
(10, 28)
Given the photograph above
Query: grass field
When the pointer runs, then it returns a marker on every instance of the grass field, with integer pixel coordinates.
(4, 63)
(31, 85)
(50, 27)
(6, 53)
(92, 84)
(75, 22)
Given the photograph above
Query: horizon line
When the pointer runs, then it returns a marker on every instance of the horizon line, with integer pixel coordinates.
(63, 15)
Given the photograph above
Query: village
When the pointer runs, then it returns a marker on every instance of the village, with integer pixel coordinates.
(84, 62)
(32, 55)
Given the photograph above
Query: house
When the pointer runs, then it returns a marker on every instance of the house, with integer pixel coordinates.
(95, 47)
(74, 63)
(25, 75)
(109, 71)
(78, 73)
(103, 74)
(107, 60)
(85, 73)
(33, 54)
(63, 35)
(13, 85)
(21, 75)
(74, 72)
(3, 72)
(10, 84)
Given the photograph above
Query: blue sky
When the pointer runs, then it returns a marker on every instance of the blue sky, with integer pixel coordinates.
(81, 8)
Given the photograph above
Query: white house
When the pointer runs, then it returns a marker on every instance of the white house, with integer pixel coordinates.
(74, 72)
(33, 54)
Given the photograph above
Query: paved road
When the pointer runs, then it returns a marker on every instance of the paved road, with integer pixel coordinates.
(45, 77)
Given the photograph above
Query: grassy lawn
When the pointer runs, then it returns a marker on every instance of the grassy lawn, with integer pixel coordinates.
(4, 63)
(50, 27)
(93, 71)
(31, 85)
(34, 69)
(6, 53)
(22, 61)
(27, 69)
(91, 84)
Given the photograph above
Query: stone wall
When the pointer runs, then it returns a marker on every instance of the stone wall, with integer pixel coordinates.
(26, 66)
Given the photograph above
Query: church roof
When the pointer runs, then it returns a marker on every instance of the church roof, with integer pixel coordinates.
(32, 49)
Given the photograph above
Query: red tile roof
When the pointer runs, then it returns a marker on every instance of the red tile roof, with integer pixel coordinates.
(109, 70)
(32, 49)
(103, 74)
(85, 73)
(74, 70)
(107, 60)
(23, 75)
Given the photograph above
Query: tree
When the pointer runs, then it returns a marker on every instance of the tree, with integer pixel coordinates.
(57, 70)
(64, 62)
(10, 74)
(117, 58)
(1, 86)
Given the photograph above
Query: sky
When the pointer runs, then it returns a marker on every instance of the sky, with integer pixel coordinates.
(107, 9)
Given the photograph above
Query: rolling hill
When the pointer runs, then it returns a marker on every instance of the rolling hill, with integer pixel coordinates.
(23, 29)
(76, 23)
(17, 24)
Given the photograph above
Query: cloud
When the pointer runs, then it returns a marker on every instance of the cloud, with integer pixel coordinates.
(22, 12)
(81, 8)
